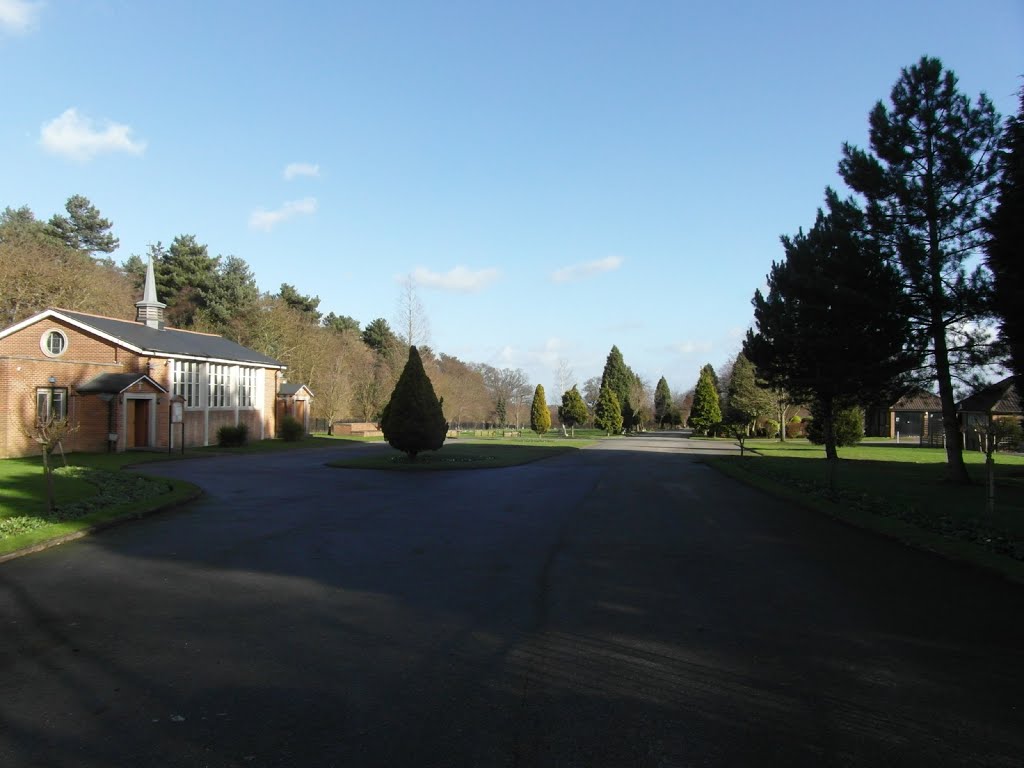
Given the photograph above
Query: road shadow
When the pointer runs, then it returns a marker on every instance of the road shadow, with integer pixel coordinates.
(613, 606)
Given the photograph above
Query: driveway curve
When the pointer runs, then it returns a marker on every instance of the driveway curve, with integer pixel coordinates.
(624, 605)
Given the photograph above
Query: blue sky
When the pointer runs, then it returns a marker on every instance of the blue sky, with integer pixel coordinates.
(557, 177)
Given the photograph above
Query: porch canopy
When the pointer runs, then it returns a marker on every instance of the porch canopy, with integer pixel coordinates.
(115, 384)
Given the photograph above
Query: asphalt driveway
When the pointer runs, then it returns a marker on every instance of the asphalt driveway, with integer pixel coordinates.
(622, 606)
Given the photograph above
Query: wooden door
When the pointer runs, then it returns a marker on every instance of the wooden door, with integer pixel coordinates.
(141, 431)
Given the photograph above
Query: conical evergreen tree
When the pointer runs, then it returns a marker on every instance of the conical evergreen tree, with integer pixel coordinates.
(540, 416)
(747, 400)
(413, 420)
(662, 402)
(618, 377)
(608, 413)
(706, 410)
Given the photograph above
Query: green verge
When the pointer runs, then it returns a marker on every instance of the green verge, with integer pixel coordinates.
(901, 492)
(87, 498)
(93, 492)
(468, 454)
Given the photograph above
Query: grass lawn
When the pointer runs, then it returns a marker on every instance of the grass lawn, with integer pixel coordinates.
(93, 491)
(902, 491)
(89, 492)
(471, 453)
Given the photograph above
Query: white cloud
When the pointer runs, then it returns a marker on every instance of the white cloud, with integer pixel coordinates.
(294, 170)
(459, 279)
(267, 220)
(554, 348)
(76, 136)
(588, 269)
(18, 16)
(690, 347)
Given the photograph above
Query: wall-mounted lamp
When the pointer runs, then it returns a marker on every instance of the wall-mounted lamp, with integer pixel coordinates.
(52, 379)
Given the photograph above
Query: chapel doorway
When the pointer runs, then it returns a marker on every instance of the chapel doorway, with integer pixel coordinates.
(140, 431)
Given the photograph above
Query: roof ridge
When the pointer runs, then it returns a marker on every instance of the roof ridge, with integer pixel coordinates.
(88, 314)
(134, 322)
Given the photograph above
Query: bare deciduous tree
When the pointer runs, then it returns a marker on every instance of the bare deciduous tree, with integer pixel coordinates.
(411, 317)
(49, 432)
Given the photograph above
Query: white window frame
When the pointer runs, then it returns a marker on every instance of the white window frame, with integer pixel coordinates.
(219, 390)
(51, 402)
(185, 382)
(246, 387)
(44, 342)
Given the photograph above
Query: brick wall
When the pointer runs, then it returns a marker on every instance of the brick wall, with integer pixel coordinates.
(24, 368)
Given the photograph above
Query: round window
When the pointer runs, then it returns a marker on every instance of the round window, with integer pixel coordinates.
(54, 343)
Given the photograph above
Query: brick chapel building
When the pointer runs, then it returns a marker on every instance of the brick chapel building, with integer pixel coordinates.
(126, 385)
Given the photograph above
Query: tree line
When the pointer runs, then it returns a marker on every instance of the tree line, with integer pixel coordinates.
(65, 261)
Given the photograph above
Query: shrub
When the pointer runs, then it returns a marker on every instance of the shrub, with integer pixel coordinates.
(797, 428)
(233, 436)
(849, 427)
(291, 429)
(771, 428)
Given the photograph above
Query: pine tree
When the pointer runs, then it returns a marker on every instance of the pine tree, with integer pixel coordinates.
(926, 182)
(706, 411)
(185, 276)
(340, 323)
(83, 229)
(540, 416)
(306, 305)
(413, 420)
(608, 413)
(573, 410)
(1005, 248)
(662, 402)
(379, 337)
(834, 325)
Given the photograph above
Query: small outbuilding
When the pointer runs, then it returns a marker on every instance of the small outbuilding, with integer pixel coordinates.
(996, 401)
(294, 400)
(916, 416)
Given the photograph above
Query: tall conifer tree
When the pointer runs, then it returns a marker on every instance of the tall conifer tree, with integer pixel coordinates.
(662, 402)
(608, 412)
(706, 411)
(833, 328)
(540, 416)
(930, 172)
(1005, 248)
(618, 377)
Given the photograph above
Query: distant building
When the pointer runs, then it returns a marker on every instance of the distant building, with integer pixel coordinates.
(996, 401)
(915, 415)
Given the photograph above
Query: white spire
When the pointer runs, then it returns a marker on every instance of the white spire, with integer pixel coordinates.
(149, 310)
(149, 294)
